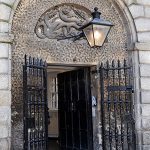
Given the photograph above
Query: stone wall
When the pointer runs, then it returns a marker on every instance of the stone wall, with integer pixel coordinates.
(140, 11)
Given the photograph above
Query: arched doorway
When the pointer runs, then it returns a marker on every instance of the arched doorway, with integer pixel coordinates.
(53, 51)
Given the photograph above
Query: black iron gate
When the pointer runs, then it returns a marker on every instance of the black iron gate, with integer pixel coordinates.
(35, 104)
(118, 127)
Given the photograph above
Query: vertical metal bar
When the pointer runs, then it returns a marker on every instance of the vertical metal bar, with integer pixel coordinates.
(114, 105)
(24, 102)
(108, 103)
(46, 103)
(126, 101)
(102, 104)
(120, 106)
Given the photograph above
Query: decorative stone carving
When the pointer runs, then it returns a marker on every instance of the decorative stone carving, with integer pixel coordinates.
(61, 22)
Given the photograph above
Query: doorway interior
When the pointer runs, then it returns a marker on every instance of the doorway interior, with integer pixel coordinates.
(69, 95)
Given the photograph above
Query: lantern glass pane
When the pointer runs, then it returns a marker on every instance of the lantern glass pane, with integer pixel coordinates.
(88, 31)
(100, 34)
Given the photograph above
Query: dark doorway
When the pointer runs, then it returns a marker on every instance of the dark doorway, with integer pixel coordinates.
(75, 115)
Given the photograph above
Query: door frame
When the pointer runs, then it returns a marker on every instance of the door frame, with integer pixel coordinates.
(65, 67)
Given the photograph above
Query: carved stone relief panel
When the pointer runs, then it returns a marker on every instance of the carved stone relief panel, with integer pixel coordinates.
(62, 21)
(37, 24)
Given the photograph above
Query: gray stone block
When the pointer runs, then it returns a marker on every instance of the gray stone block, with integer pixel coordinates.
(146, 138)
(4, 144)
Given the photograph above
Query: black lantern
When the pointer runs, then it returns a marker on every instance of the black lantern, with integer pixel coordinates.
(96, 30)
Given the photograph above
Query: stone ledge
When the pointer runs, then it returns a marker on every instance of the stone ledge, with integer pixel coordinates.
(6, 38)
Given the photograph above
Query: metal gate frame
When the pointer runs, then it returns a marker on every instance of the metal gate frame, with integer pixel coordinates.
(117, 108)
(35, 104)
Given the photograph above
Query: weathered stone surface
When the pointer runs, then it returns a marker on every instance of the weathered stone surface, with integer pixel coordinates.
(144, 57)
(145, 70)
(142, 46)
(6, 38)
(146, 147)
(136, 10)
(4, 50)
(4, 12)
(146, 123)
(4, 144)
(147, 11)
(146, 138)
(145, 97)
(4, 131)
(144, 83)
(4, 82)
(144, 2)
(4, 27)
(142, 24)
(128, 2)
(144, 37)
(145, 110)
(4, 66)
(5, 98)
(5, 115)
(9, 2)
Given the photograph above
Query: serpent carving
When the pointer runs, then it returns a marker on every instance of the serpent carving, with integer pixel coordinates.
(61, 21)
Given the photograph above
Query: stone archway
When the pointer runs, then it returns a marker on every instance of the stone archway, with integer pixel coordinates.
(6, 37)
(24, 21)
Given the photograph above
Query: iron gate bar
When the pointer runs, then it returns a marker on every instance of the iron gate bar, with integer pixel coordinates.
(35, 104)
(117, 109)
